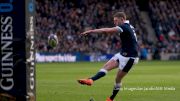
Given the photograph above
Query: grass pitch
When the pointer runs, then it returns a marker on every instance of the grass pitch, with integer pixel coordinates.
(147, 81)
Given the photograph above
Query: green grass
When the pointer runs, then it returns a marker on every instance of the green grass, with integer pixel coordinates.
(57, 82)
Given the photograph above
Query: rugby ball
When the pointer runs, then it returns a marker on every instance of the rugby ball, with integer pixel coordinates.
(52, 40)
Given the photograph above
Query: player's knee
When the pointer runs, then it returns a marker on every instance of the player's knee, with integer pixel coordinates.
(111, 64)
(107, 67)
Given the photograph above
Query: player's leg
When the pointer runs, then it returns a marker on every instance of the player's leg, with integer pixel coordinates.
(120, 75)
(111, 64)
(117, 85)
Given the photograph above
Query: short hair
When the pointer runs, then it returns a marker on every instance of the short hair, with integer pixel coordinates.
(120, 14)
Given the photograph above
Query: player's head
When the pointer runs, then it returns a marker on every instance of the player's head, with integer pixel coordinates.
(119, 18)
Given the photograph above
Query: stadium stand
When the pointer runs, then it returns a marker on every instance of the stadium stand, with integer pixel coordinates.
(70, 18)
(165, 16)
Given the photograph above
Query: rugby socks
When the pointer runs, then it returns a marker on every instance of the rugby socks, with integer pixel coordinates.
(115, 91)
(100, 74)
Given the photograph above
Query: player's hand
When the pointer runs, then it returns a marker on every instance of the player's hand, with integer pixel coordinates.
(86, 32)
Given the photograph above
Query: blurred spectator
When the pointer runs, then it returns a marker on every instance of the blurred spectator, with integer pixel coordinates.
(143, 52)
(165, 16)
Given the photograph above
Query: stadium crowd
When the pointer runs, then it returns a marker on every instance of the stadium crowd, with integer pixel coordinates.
(165, 16)
(69, 18)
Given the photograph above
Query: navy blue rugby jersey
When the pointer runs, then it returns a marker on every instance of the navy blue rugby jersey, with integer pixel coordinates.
(128, 40)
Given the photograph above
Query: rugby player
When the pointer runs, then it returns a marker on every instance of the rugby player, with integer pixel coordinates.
(124, 59)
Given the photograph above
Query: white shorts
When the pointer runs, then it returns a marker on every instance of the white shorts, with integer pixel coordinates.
(125, 63)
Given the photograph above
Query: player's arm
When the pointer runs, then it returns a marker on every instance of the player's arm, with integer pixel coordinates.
(116, 29)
